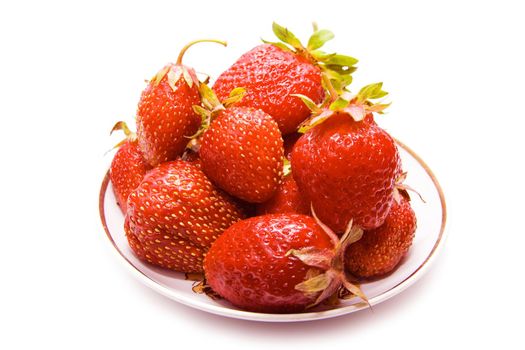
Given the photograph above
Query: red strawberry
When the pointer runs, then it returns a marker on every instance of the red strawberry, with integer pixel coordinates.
(287, 199)
(380, 250)
(242, 151)
(273, 73)
(127, 168)
(277, 263)
(174, 216)
(347, 165)
(165, 116)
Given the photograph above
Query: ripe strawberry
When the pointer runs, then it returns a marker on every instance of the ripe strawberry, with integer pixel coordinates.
(380, 250)
(273, 72)
(287, 199)
(278, 263)
(242, 152)
(165, 116)
(128, 167)
(174, 216)
(347, 165)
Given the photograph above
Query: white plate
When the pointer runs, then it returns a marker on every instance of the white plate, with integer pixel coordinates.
(431, 217)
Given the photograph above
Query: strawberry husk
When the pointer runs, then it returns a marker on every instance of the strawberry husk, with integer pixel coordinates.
(211, 107)
(129, 135)
(357, 106)
(336, 68)
(327, 276)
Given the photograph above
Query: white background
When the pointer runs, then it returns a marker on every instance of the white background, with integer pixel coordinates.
(69, 70)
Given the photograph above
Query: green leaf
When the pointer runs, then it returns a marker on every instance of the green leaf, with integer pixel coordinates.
(286, 36)
(340, 60)
(341, 83)
(321, 55)
(338, 104)
(319, 38)
(287, 167)
(310, 123)
(279, 45)
(344, 70)
(235, 96)
(208, 97)
(378, 108)
(370, 92)
(203, 112)
(308, 102)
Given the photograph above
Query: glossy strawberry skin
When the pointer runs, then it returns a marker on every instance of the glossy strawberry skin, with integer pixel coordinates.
(242, 153)
(248, 266)
(175, 214)
(287, 199)
(127, 170)
(270, 76)
(165, 116)
(347, 169)
(380, 250)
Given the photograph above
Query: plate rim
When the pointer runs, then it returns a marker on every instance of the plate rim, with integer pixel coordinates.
(295, 317)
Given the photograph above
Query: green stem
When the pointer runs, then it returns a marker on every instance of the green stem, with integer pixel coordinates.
(331, 90)
(185, 48)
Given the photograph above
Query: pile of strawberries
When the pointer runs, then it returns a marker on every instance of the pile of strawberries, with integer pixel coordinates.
(276, 184)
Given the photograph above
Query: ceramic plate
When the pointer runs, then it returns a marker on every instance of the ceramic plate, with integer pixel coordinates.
(431, 217)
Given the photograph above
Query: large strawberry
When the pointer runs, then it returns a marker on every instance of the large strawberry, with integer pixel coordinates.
(174, 216)
(287, 199)
(165, 116)
(242, 150)
(380, 250)
(128, 166)
(273, 72)
(346, 164)
(279, 263)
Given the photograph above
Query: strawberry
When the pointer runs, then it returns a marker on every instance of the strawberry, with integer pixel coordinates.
(273, 72)
(128, 167)
(287, 199)
(165, 116)
(278, 263)
(380, 250)
(242, 151)
(346, 165)
(175, 214)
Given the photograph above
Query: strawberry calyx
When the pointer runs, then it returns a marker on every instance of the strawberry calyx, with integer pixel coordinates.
(401, 189)
(357, 106)
(327, 276)
(336, 68)
(176, 71)
(129, 135)
(211, 107)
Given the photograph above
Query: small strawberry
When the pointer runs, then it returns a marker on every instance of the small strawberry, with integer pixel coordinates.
(273, 72)
(128, 167)
(165, 116)
(175, 214)
(278, 263)
(242, 150)
(380, 250)
(287, 199)
(346, 164)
